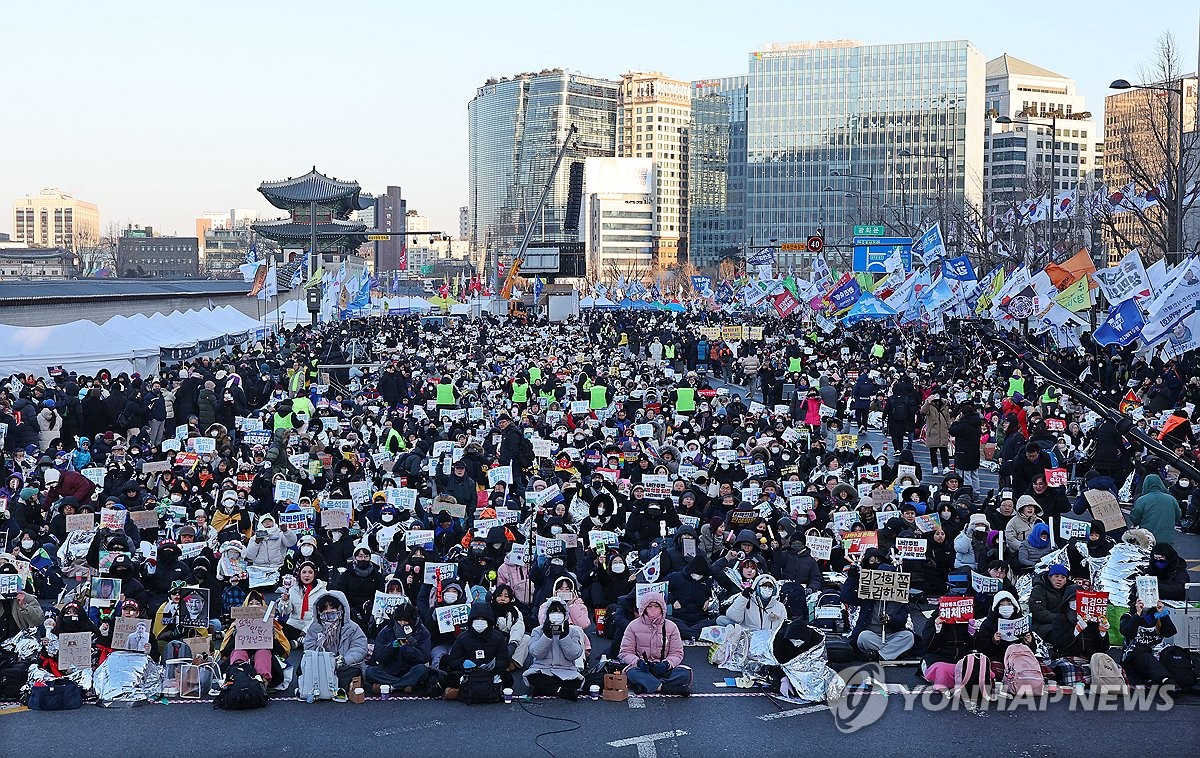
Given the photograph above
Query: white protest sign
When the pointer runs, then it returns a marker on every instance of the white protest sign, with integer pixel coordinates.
(1011, 629)
(910, 548)
(418, 537)
(820, 547)
(203, 445)
(95, 475)
(500, 474)
(112, 518)
(1069, 527)
(449, 616)
(286, 491)
(360, 492)
(1147, 590)
(446, 571)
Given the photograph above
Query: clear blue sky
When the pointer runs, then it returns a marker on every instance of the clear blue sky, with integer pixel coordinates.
(160, 111)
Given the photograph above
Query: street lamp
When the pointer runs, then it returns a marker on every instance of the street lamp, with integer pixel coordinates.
(945, 159)
(1175, 233)
(872, 200)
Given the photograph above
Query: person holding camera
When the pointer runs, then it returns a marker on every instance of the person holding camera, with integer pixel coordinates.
(402, 652)
(557, 650)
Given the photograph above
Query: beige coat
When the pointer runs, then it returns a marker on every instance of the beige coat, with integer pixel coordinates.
(937, 423)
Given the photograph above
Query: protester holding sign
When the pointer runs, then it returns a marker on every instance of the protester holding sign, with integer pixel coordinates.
(1144, 629)
(266, 658)
(882, 623)
(334, 632)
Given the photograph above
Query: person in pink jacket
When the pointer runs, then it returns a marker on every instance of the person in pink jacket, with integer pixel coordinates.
(567, 593)
(652, 650)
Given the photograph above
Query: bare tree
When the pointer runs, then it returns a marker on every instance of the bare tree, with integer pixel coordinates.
(1146, 135)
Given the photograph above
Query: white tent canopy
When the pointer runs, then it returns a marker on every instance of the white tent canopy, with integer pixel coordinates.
(81, 346)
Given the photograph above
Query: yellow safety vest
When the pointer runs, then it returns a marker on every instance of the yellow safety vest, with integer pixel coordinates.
(686, 399)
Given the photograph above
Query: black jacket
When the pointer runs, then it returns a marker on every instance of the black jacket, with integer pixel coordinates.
(489, 648)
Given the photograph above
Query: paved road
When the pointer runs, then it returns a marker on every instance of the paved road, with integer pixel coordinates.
(701, 726)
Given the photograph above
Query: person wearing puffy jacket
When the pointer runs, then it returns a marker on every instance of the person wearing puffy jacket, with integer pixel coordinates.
(652, 650)
(1035, 547)
(557, 652)
(757, 607)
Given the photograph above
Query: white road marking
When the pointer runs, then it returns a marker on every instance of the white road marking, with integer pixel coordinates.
(793, 712)
(645, 743)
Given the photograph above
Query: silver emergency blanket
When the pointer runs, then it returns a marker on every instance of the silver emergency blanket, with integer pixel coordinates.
(82, 677)
(25, 644)
(810, 676)
(1024, 589)
(761, 652)
(127, 679)
(1115, 574)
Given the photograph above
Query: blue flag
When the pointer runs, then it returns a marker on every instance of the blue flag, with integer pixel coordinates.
(1123, 325)
(702, 284)
(958, 268)
(845, 295)
(930, 246)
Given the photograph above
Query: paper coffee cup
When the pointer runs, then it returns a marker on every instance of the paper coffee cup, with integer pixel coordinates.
(508, 694)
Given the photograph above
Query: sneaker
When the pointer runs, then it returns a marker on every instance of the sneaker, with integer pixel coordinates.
(340, 696)
(214, 691)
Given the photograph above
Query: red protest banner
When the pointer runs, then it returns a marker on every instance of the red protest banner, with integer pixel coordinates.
(1056, 477)
(857, 542)
(1091, 606)
(954, 609)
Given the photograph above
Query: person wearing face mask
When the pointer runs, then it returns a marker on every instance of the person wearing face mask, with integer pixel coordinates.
(269, 545)
(334, 632)
(1073, 641)
(231, 520)
(567, 592)
(402, 653)
(988, 639)
(652, 650)
(796, 564)
(608, 580)
(307, 551)
(451, 594)
(44, 572)
(1047, 599)
(511, 623)
(478, 656)
(757, 607)
(881, 629)
(168, 570)
(557, 650)
(359, 584)
(337, 550)
(691, 593)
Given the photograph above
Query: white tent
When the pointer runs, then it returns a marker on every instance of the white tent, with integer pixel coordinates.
(291, 313)
(81, 346)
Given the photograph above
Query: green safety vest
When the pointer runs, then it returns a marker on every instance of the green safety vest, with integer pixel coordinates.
(296, 383)
(1048, 399)
(669, 351)
(520, 392)
(685, 399)
(877, 351)
(281, 422)
(598, 395)
(303, 406)
(535, 374)
(795, 365)
(1015, 385)
(445, 393)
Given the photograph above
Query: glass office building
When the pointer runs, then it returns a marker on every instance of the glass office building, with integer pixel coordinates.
(717, 171)
(884, 127)
(515, 128)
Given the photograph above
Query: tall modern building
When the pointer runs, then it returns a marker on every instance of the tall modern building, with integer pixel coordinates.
(717, 171)
(653, 116)
(464, 223)
(618, 223)
(894, 131)
(1020, 159)
(516, 127)
(390, 215)
(1136, 129)
(53, 218)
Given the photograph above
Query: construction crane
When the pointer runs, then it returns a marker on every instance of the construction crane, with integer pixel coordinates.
(514, 270)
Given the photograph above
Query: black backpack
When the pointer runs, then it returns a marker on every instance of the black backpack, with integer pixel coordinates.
(243, 690)
(480, 688)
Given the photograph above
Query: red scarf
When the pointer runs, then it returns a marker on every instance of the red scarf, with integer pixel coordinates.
(304, 605)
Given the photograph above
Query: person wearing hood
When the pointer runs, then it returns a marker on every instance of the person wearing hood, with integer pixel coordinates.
(169, 568)
(691, 591)
(652, 650)
(557, 653)
(20, 612)
(479, 650)
(66, 484)
(269, 545)
(1096, 482)
(971, 548)
(1047, 600)
(359, 584)
(1028, 515)
(307, 551)
(608, 578)
(1157, 510)
(1171, 571)
(1035, 547)
(402, 653)
(1145, 630)
(334, 632)
(881, 629)
(988, 639)
(757, 607)
(510, 621)
(796, 564)
(967, 431)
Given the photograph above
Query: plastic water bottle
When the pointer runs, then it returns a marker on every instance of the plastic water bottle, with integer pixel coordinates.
(312, 695)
